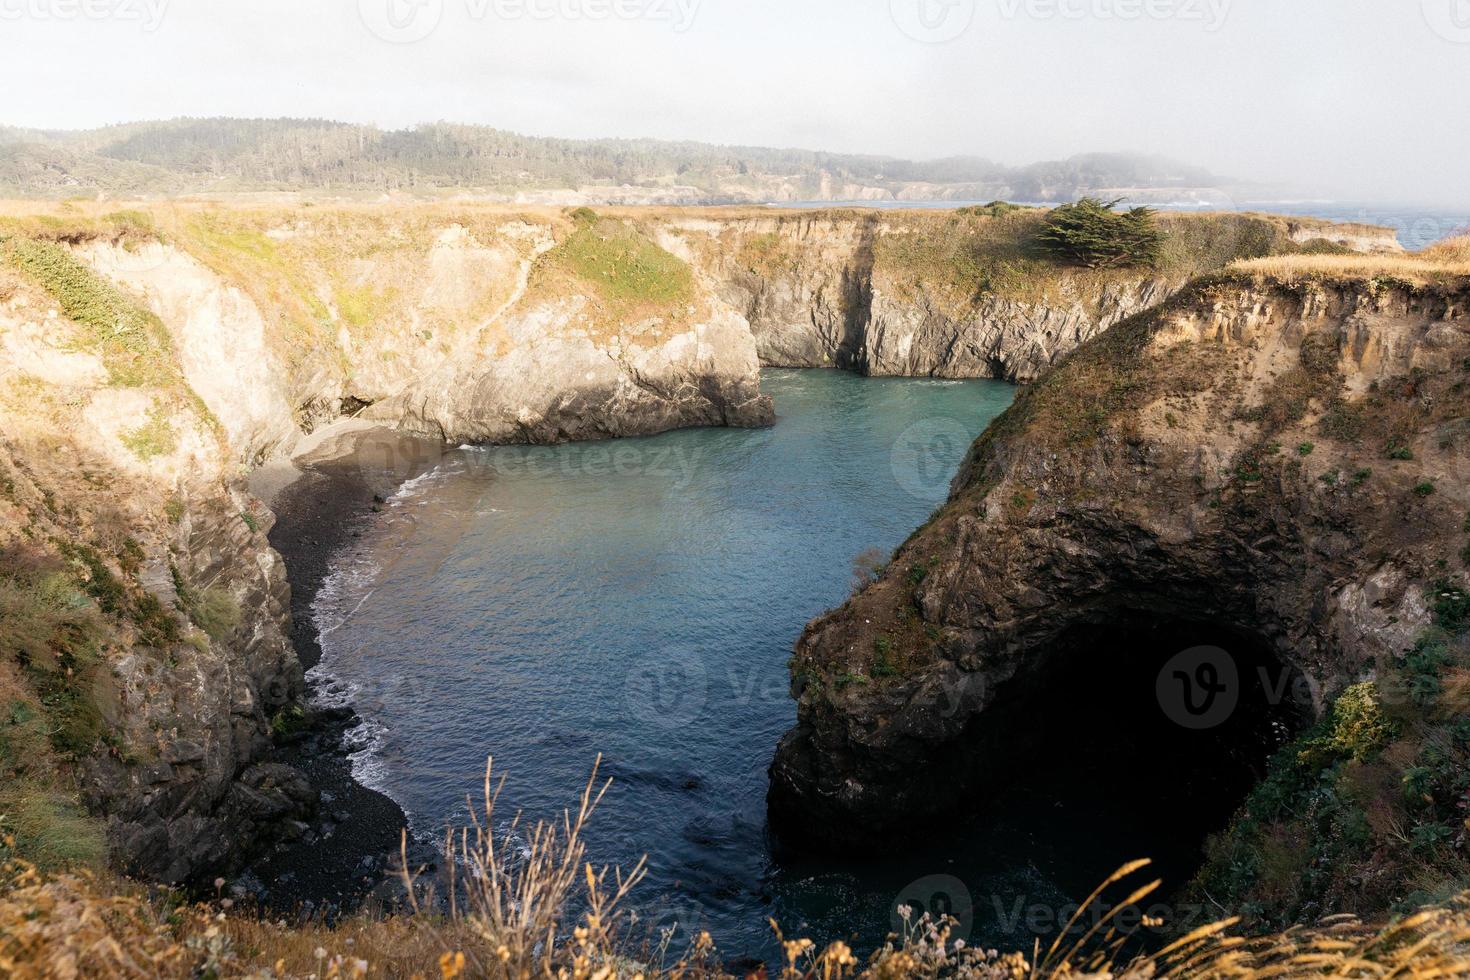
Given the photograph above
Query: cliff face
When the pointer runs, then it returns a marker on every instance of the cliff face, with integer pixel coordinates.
(445, 328)
(1286, 461)
(147, 371)
(952, 295)
(145, 651)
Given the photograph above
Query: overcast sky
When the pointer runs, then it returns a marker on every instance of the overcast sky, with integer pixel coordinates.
(1364, 98)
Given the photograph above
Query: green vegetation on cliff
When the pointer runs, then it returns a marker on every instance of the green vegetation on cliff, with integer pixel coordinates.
(132, 342)
(630, 276)
(1033, 255)
(1370, 809)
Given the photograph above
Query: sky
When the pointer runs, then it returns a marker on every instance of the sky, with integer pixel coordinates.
(1356, 99)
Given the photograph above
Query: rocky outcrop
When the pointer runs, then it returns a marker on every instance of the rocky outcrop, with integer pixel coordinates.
(1286, 460)
(996, 337)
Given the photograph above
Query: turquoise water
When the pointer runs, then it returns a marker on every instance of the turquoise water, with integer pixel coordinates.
(640, 600)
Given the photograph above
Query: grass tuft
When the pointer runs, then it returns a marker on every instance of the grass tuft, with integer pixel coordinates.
(154, 438)
(51, 828)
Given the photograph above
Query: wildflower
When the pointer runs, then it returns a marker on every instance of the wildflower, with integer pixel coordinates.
(451, 965)
(840, 954)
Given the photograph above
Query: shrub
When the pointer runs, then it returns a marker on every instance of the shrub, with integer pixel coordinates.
(288, 722)
(1090, 233)
(883, 665)
(157, 627)
(995, 209)
(1321, 246)
(1343, 421)
(1360, 730)
(133, 227)
(1451, 606)
(867, 566)
(97, 578)
(216, 611)
(1425, 489)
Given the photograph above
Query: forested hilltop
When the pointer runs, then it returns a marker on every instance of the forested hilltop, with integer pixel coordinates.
(231, 155)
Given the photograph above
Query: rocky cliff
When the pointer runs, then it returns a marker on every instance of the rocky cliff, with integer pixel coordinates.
(152, 358)
(1283, 460)
(145, 654)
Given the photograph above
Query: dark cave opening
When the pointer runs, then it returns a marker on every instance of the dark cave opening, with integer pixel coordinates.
(1139, 735)
(1136, 735)
(1156, 728)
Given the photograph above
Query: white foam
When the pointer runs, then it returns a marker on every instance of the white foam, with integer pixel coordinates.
(351, 581)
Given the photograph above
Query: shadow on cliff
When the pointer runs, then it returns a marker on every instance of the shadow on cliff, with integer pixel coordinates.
(1139, 735)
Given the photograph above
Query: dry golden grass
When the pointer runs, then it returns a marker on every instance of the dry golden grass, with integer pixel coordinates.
(509, 918)
(1442, 262)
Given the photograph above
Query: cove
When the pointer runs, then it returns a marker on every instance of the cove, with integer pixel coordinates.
(639, 600)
